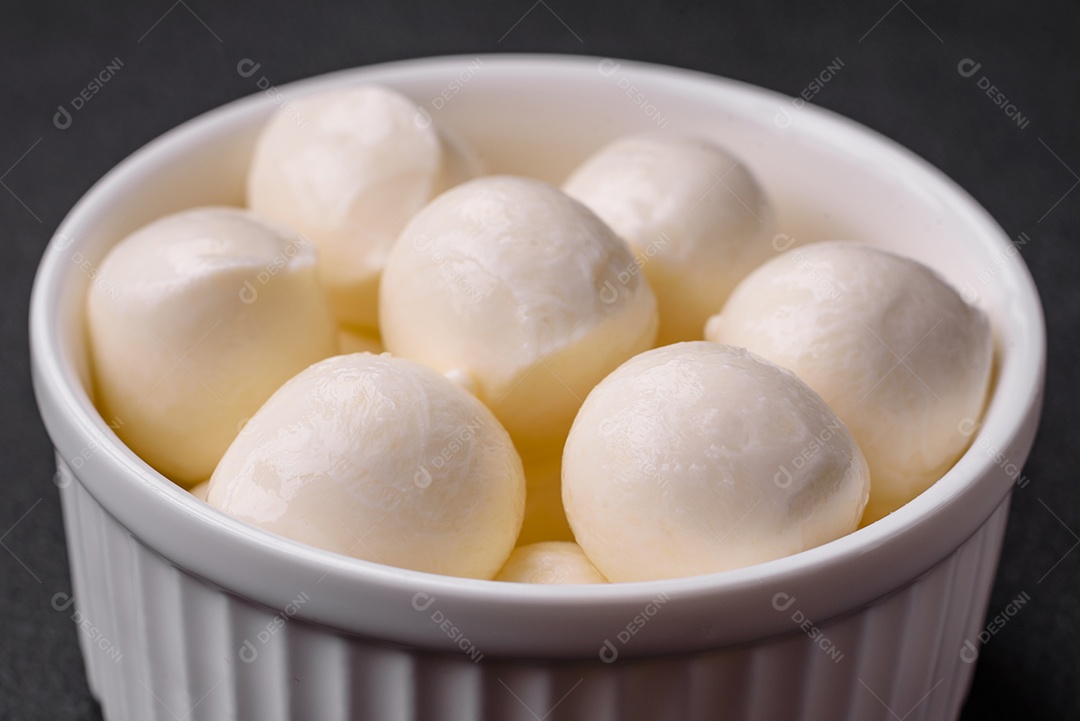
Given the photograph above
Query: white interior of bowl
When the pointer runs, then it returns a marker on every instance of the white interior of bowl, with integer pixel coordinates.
(540, 115)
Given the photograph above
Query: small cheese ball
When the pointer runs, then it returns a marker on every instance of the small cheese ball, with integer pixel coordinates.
(551, 562)
(194, 320)
(381, 459)
(693, 214)
(888, 344)
(348, 168)
(545, 519)
(698, 457)
(515, 285)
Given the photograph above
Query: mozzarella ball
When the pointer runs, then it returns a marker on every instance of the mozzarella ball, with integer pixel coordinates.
(512, 283)
(693, 214)
(545, 519)
(698, 457)
(888, 344)
(194, 320)
(552, 562)
(200, 490)
(349, 168)
(381, 459)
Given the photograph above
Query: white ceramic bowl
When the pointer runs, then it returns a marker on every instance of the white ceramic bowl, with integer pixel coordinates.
(197, 616)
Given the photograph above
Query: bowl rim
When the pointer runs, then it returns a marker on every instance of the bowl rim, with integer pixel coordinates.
(239, 557)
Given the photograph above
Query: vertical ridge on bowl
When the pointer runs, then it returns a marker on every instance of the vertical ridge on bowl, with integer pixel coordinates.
(262, 691)
(653, 689)
(585, 691)
(781, 659)
(934, 672)
(716, 681)
(160, 636)
(129, 630)
(83, 529)
(979, 565)
(894, 690)
(829, 689)
(449, 687)
(318, 674)
(503, 692)
(80, 587)
(207, 621)
(382, 678)
(818, 677)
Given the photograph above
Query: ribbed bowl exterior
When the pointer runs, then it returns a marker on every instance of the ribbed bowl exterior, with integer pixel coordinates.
(162, 644)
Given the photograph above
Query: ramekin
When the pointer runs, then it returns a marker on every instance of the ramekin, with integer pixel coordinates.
(198, 616)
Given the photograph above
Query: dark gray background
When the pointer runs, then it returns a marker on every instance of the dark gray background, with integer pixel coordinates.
(899, 77)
